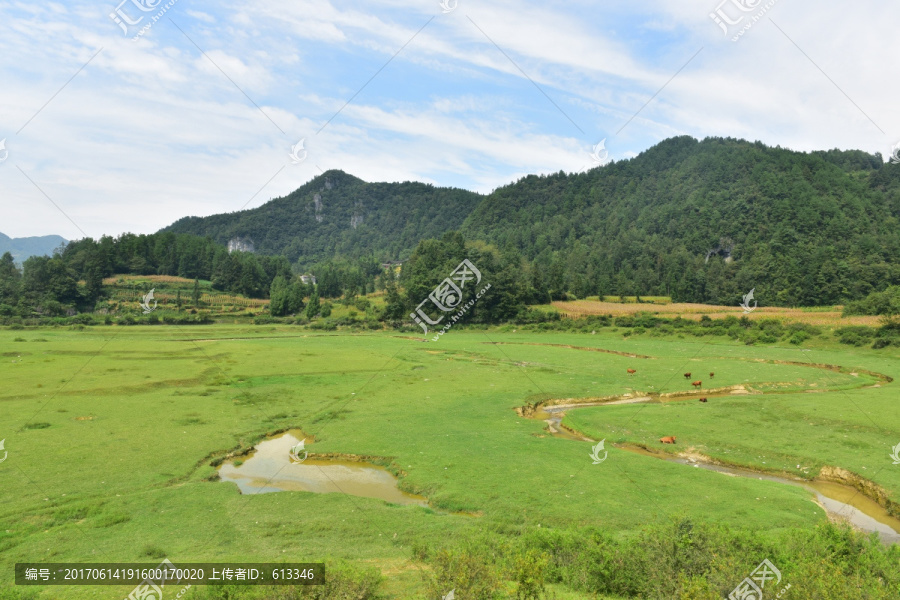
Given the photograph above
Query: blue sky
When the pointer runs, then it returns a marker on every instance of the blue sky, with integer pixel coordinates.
(198, 115)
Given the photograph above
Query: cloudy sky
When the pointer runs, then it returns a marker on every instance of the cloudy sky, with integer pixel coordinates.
(185, 107)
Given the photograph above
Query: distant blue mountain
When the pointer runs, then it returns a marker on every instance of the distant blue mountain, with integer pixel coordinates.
(22, 248)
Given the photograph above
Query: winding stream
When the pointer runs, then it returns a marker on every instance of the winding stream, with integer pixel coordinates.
(838, 500)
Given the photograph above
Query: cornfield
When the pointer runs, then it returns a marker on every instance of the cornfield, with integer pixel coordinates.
(170, 298)
(153, 278)
(830, 317)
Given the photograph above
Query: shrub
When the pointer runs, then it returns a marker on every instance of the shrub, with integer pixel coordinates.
(465, 571)
(855, 335)
(799, 337)
(876, 303)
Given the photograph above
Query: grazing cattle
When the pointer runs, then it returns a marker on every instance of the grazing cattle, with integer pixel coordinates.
(702, 399)
(687, 375)
(631, 371)
(711, 375)
(669, 439)
(697, 383)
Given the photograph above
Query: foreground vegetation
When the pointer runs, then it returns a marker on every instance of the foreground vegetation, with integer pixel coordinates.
(143, 412)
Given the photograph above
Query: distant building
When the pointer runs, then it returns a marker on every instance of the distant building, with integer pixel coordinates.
(394, 265)
(308, 279)
(241, 244)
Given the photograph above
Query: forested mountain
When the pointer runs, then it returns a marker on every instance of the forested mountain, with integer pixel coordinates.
(22, 248)
(337, 214)
(707, 221)
(701, 221)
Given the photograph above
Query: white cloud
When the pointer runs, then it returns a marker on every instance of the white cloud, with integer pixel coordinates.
(201, 16)
(151, 131)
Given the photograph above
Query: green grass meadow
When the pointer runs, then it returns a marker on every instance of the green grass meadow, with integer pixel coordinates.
(111, 431)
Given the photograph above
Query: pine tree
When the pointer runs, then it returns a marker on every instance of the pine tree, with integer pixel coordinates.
(312, 309)
(196, 295)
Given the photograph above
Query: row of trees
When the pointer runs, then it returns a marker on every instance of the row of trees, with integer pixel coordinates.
(50, 285)
(71, 281)
(45, 285)
(181, 255)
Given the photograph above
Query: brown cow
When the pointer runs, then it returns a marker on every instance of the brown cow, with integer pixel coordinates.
(687, 375)
(631, 371)
(711, 375)
(697, 383)
(669, 439)
(702, 399)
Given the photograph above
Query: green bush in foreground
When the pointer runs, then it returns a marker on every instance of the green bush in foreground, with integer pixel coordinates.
(683, 560)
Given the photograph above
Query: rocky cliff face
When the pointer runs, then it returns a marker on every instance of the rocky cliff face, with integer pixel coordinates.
(241, 244)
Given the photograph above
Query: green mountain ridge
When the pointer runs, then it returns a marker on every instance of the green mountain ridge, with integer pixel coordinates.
(339, 214)
(701, 221)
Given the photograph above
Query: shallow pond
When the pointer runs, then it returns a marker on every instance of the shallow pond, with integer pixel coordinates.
(270, 468)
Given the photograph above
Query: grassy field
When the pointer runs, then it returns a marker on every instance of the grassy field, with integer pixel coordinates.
(110, 432)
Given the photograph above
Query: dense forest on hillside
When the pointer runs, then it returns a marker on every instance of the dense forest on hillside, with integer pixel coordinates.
(50, 285)
(708, 221)
(700, 221)
(340, 215)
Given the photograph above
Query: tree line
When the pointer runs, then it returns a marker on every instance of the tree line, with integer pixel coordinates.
(71, 280)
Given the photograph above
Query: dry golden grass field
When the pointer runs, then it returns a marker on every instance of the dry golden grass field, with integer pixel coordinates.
(828, 317)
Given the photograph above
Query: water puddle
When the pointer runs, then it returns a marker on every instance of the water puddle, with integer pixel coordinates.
(269, 468)
(841, 501)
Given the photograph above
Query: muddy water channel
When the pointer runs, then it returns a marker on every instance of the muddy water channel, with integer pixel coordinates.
(840, 501)
(269, 468)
